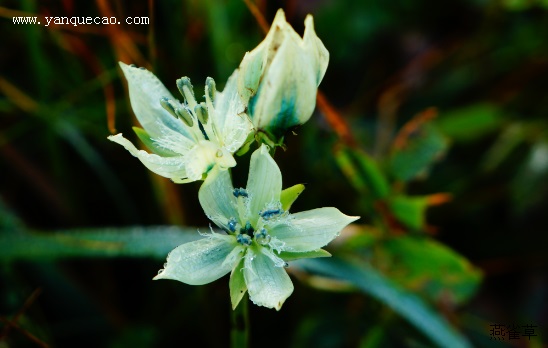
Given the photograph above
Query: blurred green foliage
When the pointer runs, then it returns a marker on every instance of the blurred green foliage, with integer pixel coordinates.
(452, 237)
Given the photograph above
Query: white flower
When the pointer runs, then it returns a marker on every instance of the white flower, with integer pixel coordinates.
(188, 139)
(280, 78)
(261, 235)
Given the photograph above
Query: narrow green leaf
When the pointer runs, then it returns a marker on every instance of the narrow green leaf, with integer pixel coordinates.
(153, 242)
(237, 285)
(406, 304)
(363, 172)
(290, 256)
(469, 123)
(529, 186)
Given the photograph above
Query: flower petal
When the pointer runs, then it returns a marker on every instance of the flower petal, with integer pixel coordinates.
(145, 92)
(169, 167)
(256, 61)
(316, 49)
(217, 198)
(232, 125)
(264, 183)
(200, 262)
(152, 145)
(312, 229)
(268, 285)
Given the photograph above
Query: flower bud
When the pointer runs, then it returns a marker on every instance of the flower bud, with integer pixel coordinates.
(279, 79)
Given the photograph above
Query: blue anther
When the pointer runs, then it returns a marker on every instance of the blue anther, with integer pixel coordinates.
(232, 224)
(240, 192)
(243, 239)
(270, 213)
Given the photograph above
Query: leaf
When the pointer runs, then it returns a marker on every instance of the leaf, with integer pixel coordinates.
(409, 306)
(362, 171)
(508, 140)
(529, 186)
(410, 262)
(469, 123)
(153, 242)
(409, 210)
(237, 284)
(9, 221)
(290, 256)
(416, 154)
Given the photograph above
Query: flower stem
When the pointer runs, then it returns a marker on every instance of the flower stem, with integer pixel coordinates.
(239, 335)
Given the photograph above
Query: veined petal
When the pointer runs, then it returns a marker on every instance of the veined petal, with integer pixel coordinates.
(217, 198)
(231, 123)
(315, 48)
(268, 285)
(152, 145)
(287, 93)
(169, 167)
(204, 156)
(200, 262)
(174, 141)
(264, 183)
(256, 61)
(145, 92)
(312, 229)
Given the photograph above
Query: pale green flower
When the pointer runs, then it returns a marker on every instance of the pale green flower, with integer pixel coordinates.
(261, 235)
(188, 139)
(280, 78)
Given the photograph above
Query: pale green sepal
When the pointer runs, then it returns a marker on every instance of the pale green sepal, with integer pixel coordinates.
(145, 92)
(200, 262)
(147, 140)
(237, 284)
(312, 229)
(264, 183)
(268, 285)
(290, 256)
(290, 194)
(217, 199)
(169, 167)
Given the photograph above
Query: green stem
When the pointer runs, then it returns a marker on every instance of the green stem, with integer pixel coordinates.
(239, 335)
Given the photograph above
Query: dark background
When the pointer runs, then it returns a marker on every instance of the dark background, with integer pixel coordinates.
(482, 64)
